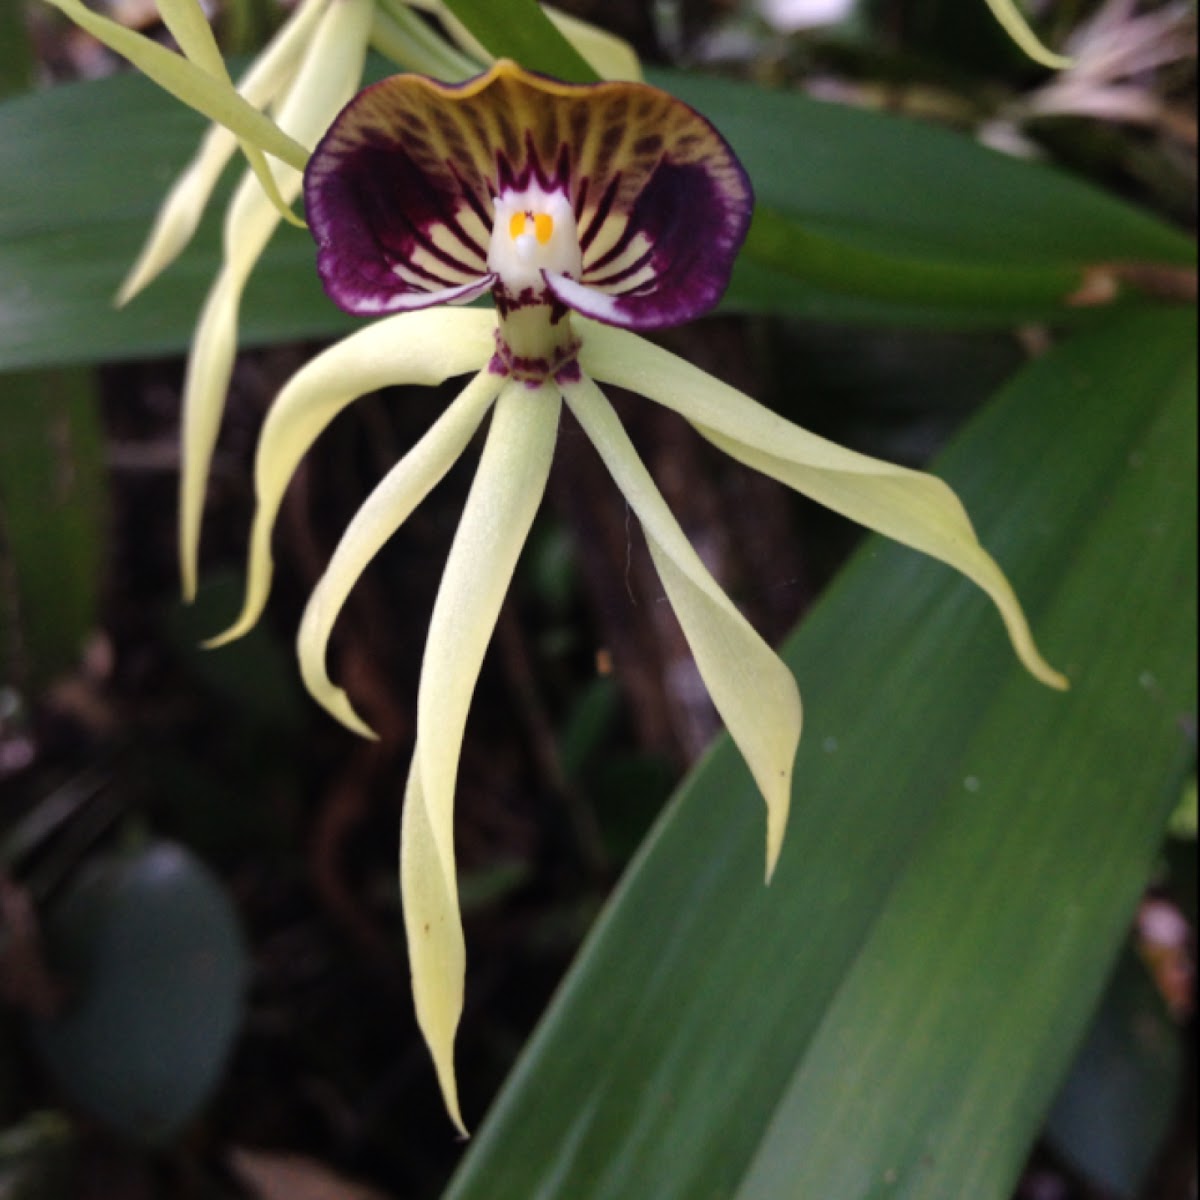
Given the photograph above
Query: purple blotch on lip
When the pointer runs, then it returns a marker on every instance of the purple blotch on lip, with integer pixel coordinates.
(399, 193)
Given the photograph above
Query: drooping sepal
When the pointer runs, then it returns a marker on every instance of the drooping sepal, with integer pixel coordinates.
(911, 507)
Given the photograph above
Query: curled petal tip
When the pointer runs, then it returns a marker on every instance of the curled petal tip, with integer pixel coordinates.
(1017, 28)
(130, 288)
(777, 815)
(450, 1098)
(239, 628)
(337, 703)
(1052, 678)
(187, 579)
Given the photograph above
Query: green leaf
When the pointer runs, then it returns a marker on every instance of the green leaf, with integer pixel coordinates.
(73, 215)
(518, 29)
(900, 186)
(788, 249)
(18, 68)
(893, 1016)
(52, 521)
(868, 216)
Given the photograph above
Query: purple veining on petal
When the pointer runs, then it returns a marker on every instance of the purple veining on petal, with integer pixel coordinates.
(375, 212)
(692, 235)
(400, 195)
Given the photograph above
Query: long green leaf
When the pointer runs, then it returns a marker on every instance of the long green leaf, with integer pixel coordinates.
(52, 521)
(18, 68)
(863, 216)
(73, 214)
(894, 184)
(789, 248)
(893, 1015)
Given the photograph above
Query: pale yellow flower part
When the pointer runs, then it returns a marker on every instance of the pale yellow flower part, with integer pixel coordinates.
(194, 86)
(383, 512)
(754, 692)
(189, 26)
(499, 512)
(327, 77)
(179, 214)
(752, 689)
(909, 506)
(413, 45)
(1017, 28)
(610, 56)
(425, 347)
(434, 933)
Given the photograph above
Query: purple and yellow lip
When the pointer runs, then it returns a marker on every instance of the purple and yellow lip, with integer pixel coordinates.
(614, 199)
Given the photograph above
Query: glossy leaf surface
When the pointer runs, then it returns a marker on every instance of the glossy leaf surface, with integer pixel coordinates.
(1009, 235)
(894, 1014)
(52, 521)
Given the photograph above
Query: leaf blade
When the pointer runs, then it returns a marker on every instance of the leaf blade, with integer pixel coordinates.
(674, 1044)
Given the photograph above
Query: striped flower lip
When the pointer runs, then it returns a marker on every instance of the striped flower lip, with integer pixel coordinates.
(614, 199)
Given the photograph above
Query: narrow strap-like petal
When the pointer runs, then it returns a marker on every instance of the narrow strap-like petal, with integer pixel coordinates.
(205, 384)
(327, 77)
(912, 507)
(180, 212)
(384, 511)
(611, 57)
(1017, 28)
(413, 44)
(189, 26)
(421, 348)
(752, 689)
(437, 951)
(500, 508)
(214, 98)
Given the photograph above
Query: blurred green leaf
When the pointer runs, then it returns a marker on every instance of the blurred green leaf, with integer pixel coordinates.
(17, 66)
(53, 489)
(518, 29)
(869, 216)
(900, 186)
(894, 1014)
(149, 949)
(73, 214)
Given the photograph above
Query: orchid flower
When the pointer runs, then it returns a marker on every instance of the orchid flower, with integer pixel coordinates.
(305, 74)
(587, 212)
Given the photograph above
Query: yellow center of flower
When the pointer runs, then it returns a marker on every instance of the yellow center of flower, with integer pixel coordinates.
(543, 226)
(534, 231)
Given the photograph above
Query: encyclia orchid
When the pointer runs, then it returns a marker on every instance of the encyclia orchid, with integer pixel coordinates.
(304, 75)
(587, 211)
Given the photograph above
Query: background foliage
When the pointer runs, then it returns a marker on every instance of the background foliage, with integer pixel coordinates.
(917, 1006)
